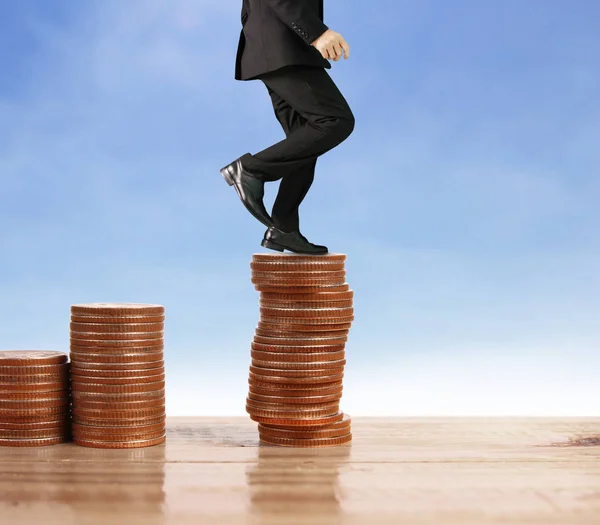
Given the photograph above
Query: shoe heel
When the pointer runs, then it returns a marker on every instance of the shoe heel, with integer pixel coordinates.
(227, 176)
(272, 245)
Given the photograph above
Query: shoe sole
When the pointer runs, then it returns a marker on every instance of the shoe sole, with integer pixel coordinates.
(276, 246)
(229, 180)
(272, 245)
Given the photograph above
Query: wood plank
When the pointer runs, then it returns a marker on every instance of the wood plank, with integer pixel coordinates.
(439, 471)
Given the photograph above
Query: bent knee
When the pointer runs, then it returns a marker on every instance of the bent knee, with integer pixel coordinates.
(344, 126)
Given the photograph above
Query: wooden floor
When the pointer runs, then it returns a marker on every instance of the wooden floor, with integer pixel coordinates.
(472, 471)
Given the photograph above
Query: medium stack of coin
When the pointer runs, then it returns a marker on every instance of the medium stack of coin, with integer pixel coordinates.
(34, 398)
(118, 375)
(298, 351)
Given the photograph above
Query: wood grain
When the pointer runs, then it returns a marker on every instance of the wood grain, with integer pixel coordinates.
(468, 471)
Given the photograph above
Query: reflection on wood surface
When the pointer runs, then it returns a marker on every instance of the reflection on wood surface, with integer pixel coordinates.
(471, 471)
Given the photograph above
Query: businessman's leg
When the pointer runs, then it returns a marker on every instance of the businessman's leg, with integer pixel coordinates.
(321, 120)
(293, 188)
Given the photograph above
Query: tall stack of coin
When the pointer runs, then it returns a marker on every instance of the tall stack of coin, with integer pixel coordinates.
(34, 398)
(298, 352)
(117, 375)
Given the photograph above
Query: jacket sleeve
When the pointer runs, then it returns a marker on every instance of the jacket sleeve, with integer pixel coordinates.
(299, 17)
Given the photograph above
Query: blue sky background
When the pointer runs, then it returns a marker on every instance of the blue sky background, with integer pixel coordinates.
(466, 199)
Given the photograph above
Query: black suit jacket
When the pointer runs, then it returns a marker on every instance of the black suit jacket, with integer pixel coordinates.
(277, 33)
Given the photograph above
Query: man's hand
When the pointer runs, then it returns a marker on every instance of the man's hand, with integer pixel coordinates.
(332, 45)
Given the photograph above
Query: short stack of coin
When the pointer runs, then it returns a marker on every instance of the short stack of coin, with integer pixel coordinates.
(34, 398)
(118, 375)
(298, 352)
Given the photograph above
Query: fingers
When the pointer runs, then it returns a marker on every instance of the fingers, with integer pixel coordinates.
(337, 49)
(346, 48)
(334, 49)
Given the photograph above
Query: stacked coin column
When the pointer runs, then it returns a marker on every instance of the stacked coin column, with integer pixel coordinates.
(298, 352)
(34, 398)
(117, 375)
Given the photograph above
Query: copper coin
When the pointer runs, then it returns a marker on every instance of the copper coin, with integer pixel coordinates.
(103, 422)
(132, 374)
(80, 379)
(112, 328)
(128, 425)
(271, 390)
(292, 407)
(116, 430)
(301, 266)
(287, 422)
(281, 289)
(302, 366)
(118, 413)
(320, 296)
(280, 333)
(118, 405)
(128, 444)
(35, 395)
(299, 433)
(77, 357)
(8, 413)
(18, 379)
(31, 357)
(33, 434)
(118, 344)
(294, 383)
(119, 438)
(22, 421)
(307, 323)
(117, 309)
(290, 350)
(300, 257)
(261, 342)
(41, 442)
(301, 276)
(252, 381)
(291, 414)
(284, 274)
(263, 303)
(33, 370)
(293, 313)
(117, 319)
(296, 357)
(27, 381)
(64, 422)
(294, 400)
(118, 350)
(101, 388)
(312, 443)
(16, 388)
(109, 430)
(76, 337)
(343, 424)
(293, 380)
(296, 283)
(117, 397)
(279, 325)
(296, 373)
(33, 417)
(131, 366)
(26, 404)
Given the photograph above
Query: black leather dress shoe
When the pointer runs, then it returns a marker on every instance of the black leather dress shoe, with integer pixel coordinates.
(250, 190)
(276, 239)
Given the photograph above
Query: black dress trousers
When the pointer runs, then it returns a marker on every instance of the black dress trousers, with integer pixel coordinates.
(315, 118)
(275, 47)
